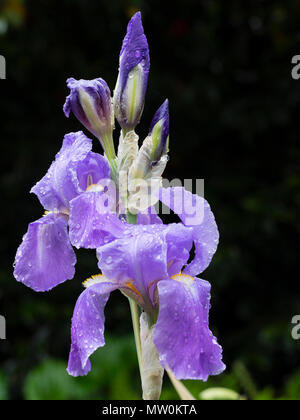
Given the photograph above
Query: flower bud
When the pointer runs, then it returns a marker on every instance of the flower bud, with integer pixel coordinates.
(159, 132)
(129, 93)
(90, 102)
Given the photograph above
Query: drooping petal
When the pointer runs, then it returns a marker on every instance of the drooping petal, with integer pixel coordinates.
(88, 326)
(60, 185)
(182, 336)
(45, 257)
(194, 211)
(140, 259)
(91, 223)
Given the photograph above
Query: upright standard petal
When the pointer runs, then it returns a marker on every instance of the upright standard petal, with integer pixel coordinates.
(179, 239)
(91, 171)
(60, 184)
(194, 211)
(87, 331)
(130, 90)
(182, 336)
(138, 260)
(45, 257)
(91, 223)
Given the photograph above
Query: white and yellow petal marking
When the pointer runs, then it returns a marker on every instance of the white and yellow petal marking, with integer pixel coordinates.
(95, 188)
(90, 186)
(40, 244)
(183, 278)
(97, 278)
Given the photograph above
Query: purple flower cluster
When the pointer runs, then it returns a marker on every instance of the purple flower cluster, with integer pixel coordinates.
(148, 261)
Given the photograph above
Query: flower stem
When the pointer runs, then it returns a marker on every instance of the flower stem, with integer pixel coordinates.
(136, 329)
(132, 219)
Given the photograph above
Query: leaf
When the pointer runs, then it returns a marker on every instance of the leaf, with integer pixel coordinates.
(219, 394)
(50, 381)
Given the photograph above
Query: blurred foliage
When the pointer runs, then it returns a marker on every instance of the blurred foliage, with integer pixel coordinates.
(12, 13)
(3, 387)
(226, 69)
(115, 376)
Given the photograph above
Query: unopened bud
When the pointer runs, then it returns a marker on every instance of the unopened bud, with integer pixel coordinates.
(159, 132)
(90, 101)
(130, 90)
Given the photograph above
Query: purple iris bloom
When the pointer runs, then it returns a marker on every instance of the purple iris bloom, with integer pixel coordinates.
(45, 257)
(148, 262)
(130, 90)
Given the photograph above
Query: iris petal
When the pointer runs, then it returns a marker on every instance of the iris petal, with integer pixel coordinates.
(91, 170)
(179, 239)
(60, 184)
(194, 211)
(140, 259)
(182, 336)
(91, 223)
(88, 326)
(149, 217)
(45, 257)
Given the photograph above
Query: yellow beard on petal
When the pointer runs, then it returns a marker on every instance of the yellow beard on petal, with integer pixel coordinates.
(97, 278)
(95, 188)
(183, 278)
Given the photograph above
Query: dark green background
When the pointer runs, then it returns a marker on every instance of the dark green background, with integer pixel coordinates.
(234, 109)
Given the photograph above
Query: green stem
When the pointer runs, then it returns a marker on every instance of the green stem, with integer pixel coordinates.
(136, 329)
(109, 149)
(132, 219)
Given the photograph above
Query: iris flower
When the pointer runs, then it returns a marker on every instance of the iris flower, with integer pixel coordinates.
(45, 257)
(148, 262)
(103, 203)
